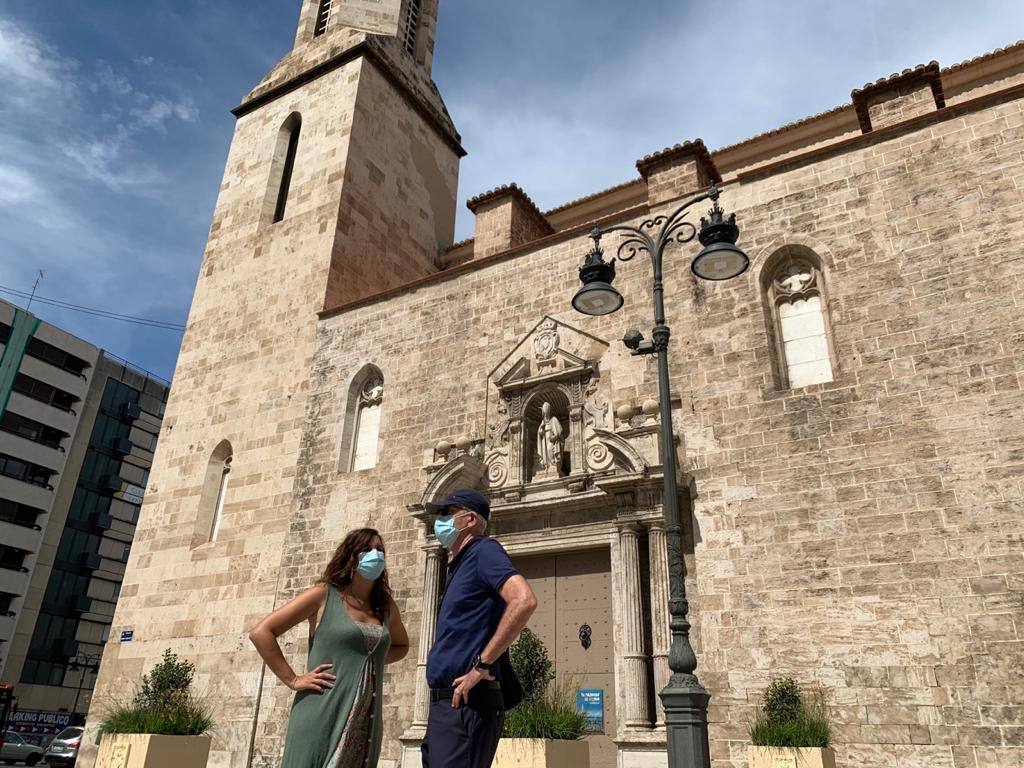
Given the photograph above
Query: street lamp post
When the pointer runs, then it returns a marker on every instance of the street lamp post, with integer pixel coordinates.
(86, 663)
(684, 698)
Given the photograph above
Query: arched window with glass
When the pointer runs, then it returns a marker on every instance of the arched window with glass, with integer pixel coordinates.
(797, 313)
(214, 495)
(361, 442)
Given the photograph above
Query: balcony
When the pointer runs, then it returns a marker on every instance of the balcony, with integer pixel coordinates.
(20, 537)
(29, 450)
(13, 582)
(26, 493)
(54, 376)
(23, 405)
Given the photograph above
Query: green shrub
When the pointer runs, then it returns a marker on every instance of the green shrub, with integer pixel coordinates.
(548, 711)
(788, 718)
(163, 704)
(532, 664)
(552, 715)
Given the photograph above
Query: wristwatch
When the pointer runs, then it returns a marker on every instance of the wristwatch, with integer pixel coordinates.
(479, 663)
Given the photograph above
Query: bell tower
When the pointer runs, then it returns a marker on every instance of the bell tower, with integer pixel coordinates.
(340, 183)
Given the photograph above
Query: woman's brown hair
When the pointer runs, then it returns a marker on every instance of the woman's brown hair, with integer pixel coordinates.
(342, 566)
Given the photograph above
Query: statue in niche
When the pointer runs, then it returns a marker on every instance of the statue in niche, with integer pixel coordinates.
(550, 442)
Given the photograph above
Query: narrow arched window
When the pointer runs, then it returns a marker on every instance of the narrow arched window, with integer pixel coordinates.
(411, 25)
(284, 163)
(222, 489)
(796, 299)
(367, 428)
(214, 495)
(361, 435)
(323, 17)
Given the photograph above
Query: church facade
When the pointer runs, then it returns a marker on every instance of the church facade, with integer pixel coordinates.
(847, 414)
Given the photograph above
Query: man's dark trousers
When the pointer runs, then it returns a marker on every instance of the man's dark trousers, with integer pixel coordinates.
(466, 737)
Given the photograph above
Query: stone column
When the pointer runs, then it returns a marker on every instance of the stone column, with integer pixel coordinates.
(661, 637)
(634, 659)
(428, 625)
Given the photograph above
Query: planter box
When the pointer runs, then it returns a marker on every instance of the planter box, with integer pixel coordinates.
(541, 753)
(789, 757)
(147, 750)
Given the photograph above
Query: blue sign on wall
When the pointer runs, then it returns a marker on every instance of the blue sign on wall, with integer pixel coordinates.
(590, 702)
(127, 635)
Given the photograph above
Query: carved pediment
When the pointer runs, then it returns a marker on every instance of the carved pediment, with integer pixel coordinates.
(550, 351)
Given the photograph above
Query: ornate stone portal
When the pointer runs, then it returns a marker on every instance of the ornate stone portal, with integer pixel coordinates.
(565, 474)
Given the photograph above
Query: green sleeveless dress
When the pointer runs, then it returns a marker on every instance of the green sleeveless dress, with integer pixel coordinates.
(340, 728)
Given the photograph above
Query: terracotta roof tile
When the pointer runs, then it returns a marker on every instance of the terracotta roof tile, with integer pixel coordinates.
(928, 73)
(593, 196)
(985, 56)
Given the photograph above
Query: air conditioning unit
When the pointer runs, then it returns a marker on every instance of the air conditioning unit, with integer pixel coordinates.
(131, 411)
(111, 482)
(102, 521)
(81, 604)
(90, 561)
(123, 446)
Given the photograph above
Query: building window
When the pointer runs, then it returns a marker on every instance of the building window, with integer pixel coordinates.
(19, 514)
(796, 302)
(25, 471)
(213, 496)
(411, 25)
(31, 430)
(222, 490)
(284, 162)
(323, 17)
(44, 393)
(362, 430)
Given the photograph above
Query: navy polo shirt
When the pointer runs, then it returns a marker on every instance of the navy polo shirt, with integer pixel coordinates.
(470, 610)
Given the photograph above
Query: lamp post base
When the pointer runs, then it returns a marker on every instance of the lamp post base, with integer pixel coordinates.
(686, 722)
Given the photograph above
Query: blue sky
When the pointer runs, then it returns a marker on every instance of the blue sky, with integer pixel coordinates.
(114, 120)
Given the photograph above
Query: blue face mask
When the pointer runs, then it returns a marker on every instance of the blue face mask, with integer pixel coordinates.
(445, 530)
(371, 565)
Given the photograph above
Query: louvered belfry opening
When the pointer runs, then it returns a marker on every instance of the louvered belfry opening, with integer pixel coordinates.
(411, 26)
(323, 17)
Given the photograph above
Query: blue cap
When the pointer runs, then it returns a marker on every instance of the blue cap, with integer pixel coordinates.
(463, 497)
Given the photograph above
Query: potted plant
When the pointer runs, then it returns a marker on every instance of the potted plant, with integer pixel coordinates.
(545, 730)
(791, 729)
(164, 724)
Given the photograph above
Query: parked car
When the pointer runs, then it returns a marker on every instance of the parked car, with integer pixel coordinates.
(63, 750)
(17, 750)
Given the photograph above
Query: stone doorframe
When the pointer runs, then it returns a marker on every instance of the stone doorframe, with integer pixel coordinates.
(617, 512)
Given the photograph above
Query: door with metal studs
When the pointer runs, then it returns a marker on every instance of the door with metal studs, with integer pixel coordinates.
(574, 620)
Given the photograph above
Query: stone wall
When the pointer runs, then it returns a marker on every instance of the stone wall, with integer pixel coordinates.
(864, 535)
(243, 371)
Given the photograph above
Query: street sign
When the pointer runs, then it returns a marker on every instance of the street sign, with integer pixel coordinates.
(590, 703)
(127, 635)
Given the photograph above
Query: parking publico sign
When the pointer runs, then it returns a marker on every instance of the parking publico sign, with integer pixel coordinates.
(39, 726)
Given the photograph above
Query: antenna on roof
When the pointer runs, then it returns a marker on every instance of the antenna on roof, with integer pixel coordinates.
(39, 279)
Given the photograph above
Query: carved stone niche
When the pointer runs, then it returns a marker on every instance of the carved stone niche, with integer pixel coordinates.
(549, 420)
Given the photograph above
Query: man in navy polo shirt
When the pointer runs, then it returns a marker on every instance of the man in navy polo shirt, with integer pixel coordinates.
(485, 605)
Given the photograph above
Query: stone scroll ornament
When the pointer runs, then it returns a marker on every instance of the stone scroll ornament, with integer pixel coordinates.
(599, 457)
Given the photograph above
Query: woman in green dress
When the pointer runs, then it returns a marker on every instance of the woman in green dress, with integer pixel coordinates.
(354, 630)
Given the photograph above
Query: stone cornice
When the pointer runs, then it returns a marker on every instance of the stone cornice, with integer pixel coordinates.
(366, 51)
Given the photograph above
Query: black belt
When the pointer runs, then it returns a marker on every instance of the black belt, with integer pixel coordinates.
(486, 693)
